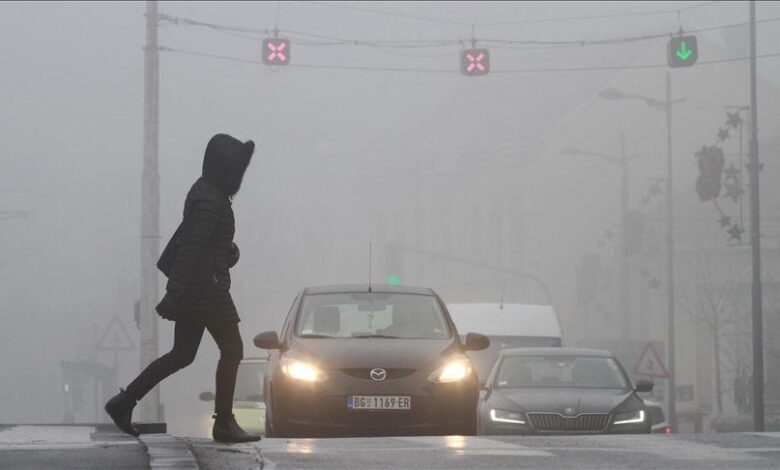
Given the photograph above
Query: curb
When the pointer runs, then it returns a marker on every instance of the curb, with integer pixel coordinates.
(167, 452)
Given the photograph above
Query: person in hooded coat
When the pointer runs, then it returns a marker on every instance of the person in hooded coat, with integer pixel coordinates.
(197, 295)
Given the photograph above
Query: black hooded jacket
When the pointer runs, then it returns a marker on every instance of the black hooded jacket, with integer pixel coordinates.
(200, 276)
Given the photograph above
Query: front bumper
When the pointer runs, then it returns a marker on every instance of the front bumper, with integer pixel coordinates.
(320, 409)
(489, 427)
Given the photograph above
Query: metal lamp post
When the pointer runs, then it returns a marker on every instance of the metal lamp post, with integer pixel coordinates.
(666, 106)
(622, 161)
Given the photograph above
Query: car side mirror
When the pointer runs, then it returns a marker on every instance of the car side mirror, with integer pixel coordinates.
(267, 340)
(476, 342)
(644, 386)
(206, 396)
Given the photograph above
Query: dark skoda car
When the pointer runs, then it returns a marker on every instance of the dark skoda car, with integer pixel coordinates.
(356, 361)
(561, 391)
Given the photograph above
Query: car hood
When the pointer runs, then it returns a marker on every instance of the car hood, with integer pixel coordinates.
(375, 352)
(557, 400)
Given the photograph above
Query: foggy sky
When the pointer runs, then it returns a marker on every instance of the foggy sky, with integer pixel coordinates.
(335, 151)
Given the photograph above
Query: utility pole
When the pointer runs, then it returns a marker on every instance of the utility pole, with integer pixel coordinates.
(671, 399)
(150, 211)
(754, 167)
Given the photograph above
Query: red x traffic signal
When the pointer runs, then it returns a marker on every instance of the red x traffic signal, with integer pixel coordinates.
(276, 51)
(475, 62)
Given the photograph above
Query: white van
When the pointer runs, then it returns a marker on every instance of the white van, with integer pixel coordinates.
(507, 326)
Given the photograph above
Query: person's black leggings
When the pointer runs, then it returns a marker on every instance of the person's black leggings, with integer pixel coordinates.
(185, 344)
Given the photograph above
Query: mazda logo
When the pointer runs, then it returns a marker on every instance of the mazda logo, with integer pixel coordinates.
(378, 375)
(568, 411)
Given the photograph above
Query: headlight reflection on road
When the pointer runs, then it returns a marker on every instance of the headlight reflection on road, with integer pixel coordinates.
(300, 446)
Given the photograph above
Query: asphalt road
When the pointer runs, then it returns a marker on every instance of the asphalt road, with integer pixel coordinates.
(88, 447)
(689, 452)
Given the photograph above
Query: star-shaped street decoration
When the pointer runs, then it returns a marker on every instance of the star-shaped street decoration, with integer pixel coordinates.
(655, 284)
(655, 189)
(725, 221)
(734, 119)
(723, 134)
(735, 233)
(733, 190)
(732, 172)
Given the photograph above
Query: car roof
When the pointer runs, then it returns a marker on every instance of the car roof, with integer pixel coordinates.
(356, 288)
(555, 352)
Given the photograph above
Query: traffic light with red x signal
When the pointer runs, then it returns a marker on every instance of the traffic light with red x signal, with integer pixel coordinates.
(475, 62)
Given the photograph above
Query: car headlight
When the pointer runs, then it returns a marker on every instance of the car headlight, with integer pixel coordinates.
(503, 416)
(629, 417)
(453, 371)
(303, 371)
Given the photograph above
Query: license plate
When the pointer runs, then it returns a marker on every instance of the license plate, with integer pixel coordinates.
(378, 402)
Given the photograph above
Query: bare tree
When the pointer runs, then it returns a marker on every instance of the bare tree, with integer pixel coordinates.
(714, 300)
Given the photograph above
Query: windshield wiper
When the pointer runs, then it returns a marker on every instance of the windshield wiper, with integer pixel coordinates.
(375, 336)
(314, 335)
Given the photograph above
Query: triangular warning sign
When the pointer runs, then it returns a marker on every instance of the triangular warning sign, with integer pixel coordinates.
(115, 337)
(650, 364)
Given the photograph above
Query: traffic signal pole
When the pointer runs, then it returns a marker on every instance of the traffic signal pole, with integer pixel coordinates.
(671, 402)
(754, 167)
(150, 212)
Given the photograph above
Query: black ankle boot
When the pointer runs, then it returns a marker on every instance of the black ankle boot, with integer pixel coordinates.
(226, 429)
(120, 408)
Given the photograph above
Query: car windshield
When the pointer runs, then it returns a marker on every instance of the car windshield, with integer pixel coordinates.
(249, 382)
(372, 315)
(483, 360)
(560, 372)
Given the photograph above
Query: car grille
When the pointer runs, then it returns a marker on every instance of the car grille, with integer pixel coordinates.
(365, 373)
(554, 422)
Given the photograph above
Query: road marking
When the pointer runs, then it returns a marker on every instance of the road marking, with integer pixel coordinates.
(45, 435)
(460, 445)
(65, 446)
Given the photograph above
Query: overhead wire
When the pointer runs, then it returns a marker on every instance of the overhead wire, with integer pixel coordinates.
(453, 72)
(420, 44)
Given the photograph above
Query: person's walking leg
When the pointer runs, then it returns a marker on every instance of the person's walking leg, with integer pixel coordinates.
(185, 345)
(231, 351)
(186, 340)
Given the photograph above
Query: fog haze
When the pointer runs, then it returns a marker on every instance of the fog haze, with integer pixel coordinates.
(355, 146)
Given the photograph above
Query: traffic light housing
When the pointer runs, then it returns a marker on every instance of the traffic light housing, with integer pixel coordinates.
(276, 51)
(711, 162)
(474, 62)
(394, 258)
(683, 51)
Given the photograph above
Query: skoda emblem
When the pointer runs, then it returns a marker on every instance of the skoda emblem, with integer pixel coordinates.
(378, 375)
(569, 411)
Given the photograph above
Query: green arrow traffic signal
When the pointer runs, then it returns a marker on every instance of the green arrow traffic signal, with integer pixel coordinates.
(683, 51)
(393, 280)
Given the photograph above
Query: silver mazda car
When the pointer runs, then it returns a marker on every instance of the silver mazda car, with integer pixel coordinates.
(561, 391)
